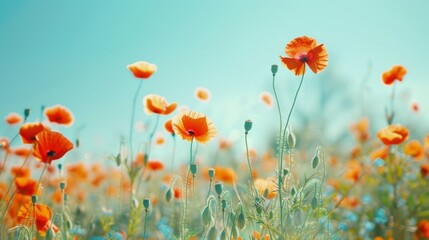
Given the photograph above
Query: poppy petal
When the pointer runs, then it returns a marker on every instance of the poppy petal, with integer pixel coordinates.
(294, 65)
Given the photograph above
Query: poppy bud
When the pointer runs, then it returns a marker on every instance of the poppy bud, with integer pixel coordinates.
(26, 113)
(206, 216)
(274, 69)
(211, 173)
(212, 235)
(223, 203)
(33, 199)
(241, 221)
(314, 203)
(248, 125)
(193, 168)
(168, 195)
(62, 185)
(146, 203)
(285, 171)
(223, 235)
(291, 139)
(218, 188)
(315, 161)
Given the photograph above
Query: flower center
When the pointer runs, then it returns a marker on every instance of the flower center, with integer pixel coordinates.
(191, 132)
(304, 58)
(51, 153)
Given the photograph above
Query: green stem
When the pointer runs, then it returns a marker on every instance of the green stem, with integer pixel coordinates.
(7, 153)
(186, 191)
(145, 223)
(248, 162)
(133, 108)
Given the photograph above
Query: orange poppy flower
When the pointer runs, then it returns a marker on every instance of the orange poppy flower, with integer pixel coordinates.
(266, 99)
(142, 69)
(51, 146)
(353, 170)
(28, 131)
(424, 169)
(423, 228)
(21, 151)
(177, 192)
(191, 125)
(60, 115)
(224, 144)
(414, 149)
(159, 140)
(77, 171)
(155, 165)
(13, 119)
(20, 171)
(382, 153)
(3, 189)
(266, 185)
(226, 175)
(257, 235)
(361, 129)
(202, 94)
(155, 104)
(169, 127)
(4, 143)
(304, 50)
(26, 186)
(395, 73)
(42, 214)
(393, 134)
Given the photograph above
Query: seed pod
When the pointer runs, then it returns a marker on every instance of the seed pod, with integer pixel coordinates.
(291, 139)
(211, 173)
(146, 203)
(274, 69)
(193, 168)
(248, 125)
(218, 188)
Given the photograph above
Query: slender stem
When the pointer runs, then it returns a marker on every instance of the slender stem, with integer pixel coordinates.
(145, 223)
(280, 180)
(133, 109)
(210, 189)
(14, 177)
(7, 153)
(186, 190)
(40, 178)
(173, 153)
(392, 100)
(248, 161)
(151, 135)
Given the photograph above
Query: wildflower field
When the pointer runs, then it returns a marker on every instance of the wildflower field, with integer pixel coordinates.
(175, 174)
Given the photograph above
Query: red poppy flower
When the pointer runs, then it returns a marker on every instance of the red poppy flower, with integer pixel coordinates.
(155, 104)
(169, 127)
(424, 169)
(26, 186)
(59, 114)
(395, 73)
(13, 118)
(191, 125)
(304, 50)
(51, 146)
(28, 131)
(142, 69)
(423, 228)
(155, 165)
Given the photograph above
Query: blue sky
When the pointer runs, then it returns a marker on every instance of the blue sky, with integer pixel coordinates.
(75, 53)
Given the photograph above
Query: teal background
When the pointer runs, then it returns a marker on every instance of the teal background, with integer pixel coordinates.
(75, 53)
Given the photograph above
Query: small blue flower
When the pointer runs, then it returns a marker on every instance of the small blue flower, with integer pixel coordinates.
(379, 162)
(367, 199)
(352, 217)
(343, 226)
(380, 216)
